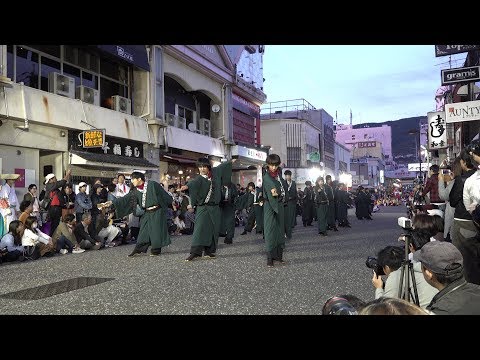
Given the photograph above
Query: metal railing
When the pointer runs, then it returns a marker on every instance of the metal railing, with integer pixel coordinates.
(295, 106)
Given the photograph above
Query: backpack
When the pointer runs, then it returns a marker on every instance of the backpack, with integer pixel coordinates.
(45, 203)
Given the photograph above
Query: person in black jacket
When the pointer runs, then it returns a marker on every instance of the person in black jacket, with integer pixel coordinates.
(52, 189)
(343, 200)
(331, 204)
(463, 230)
(291, 210)
(308, 204)
(362, 203)
(442, 267)
(85, 237)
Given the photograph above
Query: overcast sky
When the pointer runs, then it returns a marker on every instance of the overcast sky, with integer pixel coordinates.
(378, 82)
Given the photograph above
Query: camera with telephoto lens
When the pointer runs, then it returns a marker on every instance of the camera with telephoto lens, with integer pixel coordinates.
(372, 263)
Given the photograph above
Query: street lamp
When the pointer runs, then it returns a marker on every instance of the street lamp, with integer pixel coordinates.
(417, 148)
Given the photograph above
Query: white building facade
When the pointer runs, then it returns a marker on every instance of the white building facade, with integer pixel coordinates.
(349, 136)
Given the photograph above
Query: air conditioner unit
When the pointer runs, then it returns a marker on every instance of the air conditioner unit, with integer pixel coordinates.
(181, 122)
(170, 119)
(88, 95)
(122, 104)
(176, 121)
(204, 127)
(61, 84)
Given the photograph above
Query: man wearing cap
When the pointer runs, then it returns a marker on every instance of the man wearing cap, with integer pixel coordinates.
(442, 267)
(52, 189)
(206, 193)
(83, 202)
(7, 192)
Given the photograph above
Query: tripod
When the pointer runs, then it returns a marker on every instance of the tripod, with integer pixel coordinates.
(404, 289)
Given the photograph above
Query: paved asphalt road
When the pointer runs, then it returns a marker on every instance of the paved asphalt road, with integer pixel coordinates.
(238, 282)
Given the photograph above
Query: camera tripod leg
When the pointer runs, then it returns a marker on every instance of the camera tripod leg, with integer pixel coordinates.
(404, 290)
(414, 284)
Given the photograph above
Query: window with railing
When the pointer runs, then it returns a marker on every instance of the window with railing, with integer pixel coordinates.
(294, 157)
(32, 64)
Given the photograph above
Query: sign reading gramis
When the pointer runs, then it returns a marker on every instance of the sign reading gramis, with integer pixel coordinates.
(437, 130)
(464, 111)
(452, 76)
(442, 50)
(93, 138)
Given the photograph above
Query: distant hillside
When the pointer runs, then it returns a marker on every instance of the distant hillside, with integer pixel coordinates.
(403, 144)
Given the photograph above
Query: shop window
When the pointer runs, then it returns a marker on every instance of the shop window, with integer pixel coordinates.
(293, 157)
(187, 114)
(48, 66)
(89, 80)
(112, 70)
(53, 50)
(27, 67)
(70, 54)
(10, 60)
(73, 72)
(108, 89)
(159, 83)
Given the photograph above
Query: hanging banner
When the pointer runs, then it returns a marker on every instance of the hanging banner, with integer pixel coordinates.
(437, 130)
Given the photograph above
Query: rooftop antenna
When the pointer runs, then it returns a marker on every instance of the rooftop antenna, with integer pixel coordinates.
(350, 117)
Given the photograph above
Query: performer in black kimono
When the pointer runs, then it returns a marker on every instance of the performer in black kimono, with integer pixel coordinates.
(308, 205)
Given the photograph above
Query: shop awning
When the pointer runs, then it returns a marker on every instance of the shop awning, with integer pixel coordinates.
(179, 158)
(113, 161)
(131, 54)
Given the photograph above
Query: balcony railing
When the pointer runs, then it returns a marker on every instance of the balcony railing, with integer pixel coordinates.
(296, 108)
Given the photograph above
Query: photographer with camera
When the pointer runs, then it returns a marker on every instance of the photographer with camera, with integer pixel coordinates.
(389, 262)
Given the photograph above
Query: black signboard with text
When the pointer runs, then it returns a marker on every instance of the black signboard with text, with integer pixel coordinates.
(112, 146)
(442, 50)
(452, 76)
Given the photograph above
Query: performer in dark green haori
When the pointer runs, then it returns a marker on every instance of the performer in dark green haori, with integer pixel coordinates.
(227, 209)
(205, 194)
(291, 210)
(274, 192)
(321, 203)
(149, 201)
